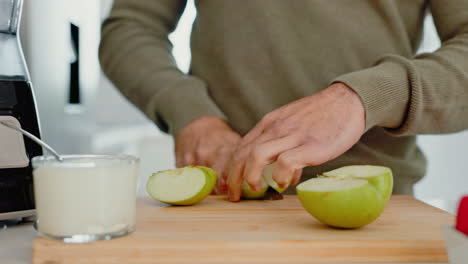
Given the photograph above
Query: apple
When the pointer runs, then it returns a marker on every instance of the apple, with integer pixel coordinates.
(184, 186)
(348, 197)
(268, 177)
(266, 182)
(249, 194)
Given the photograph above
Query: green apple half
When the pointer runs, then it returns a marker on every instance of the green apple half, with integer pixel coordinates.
(184, 186)
(348, 197)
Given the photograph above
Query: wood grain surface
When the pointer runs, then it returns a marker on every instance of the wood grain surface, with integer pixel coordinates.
(217, 231)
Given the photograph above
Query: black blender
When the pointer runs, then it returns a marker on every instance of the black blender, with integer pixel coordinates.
(18, 108)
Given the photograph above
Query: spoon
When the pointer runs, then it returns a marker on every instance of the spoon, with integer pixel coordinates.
(35, 139)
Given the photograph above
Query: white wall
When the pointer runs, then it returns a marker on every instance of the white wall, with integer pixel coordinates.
(47, 45)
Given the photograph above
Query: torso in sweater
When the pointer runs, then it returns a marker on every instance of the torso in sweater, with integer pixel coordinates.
(258, 55)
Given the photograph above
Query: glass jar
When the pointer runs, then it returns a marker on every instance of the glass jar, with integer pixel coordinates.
(85, 197)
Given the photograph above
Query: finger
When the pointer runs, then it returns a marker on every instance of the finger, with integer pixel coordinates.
(179, 162)
(295, 159)
(234, 184)
(223, 167)
(236, 170)
(202, 160)
(179, 157)
(220, 167)
(187, 159)
(264, 154)
(296, 177)
(220, 185)
(269, 121)
(257, 130)
(218, 189)
(203, 155)
(182, 154)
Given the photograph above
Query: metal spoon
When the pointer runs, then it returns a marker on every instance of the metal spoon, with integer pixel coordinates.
(35, 139)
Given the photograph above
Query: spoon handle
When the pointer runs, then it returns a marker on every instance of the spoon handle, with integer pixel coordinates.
(33, 138)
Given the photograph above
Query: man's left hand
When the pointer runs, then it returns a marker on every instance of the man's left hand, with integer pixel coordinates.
(307, 132)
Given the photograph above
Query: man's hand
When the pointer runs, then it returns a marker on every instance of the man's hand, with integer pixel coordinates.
(207, 141)
(307, 132)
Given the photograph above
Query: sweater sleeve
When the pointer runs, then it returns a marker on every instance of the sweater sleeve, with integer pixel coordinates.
(427, 94)
(136, 54)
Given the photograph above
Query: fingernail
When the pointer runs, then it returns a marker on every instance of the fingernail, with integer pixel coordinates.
(232, 198)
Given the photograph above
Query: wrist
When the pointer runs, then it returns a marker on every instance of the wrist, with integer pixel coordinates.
(205, 124)
(352, 99)
(209, 122)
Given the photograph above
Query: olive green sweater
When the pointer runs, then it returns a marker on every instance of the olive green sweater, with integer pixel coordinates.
(250, 57)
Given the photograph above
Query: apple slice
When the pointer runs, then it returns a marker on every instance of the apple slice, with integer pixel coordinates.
(348, 197)
(184, 186)
(249, 194)
(266, 181)
(268, 177)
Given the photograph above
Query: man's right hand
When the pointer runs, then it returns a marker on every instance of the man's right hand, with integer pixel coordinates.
(207, 141)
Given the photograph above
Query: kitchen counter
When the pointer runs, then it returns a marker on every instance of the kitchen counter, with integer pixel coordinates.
(16, 244)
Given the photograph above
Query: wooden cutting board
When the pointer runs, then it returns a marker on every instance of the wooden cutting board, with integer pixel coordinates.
(217, 231)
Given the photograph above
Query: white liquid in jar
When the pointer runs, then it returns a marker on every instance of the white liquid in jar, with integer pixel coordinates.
(79, 199)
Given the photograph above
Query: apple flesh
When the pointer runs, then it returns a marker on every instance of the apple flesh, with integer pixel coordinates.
(184, 186)
(348, 197)
(268, 176)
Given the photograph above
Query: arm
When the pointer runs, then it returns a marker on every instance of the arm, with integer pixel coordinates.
(427, 94)
(424, 95)
(135, 53)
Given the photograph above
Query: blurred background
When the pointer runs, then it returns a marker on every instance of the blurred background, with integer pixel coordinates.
(81, 111)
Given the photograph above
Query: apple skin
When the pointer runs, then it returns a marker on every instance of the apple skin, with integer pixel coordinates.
(249, 194)
(211, 178)
(349, 208)
(383, 182)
